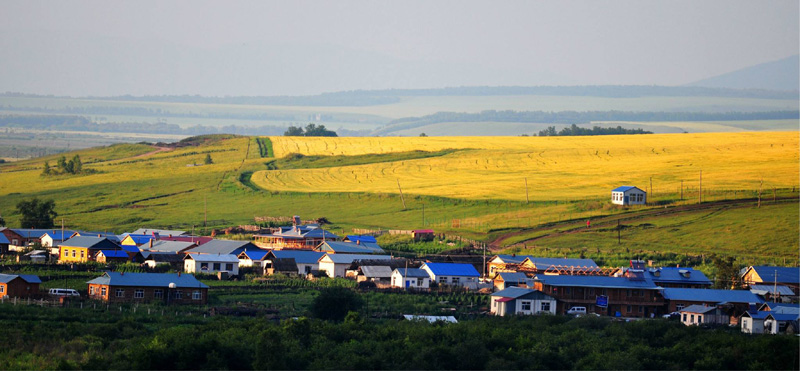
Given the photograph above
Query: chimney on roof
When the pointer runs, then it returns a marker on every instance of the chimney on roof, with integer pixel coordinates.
(296, 220)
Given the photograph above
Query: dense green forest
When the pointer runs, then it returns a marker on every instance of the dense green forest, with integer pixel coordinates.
(579, 117)
(64, 338)
(574, 130)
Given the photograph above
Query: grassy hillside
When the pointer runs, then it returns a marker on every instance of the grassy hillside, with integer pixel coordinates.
(472, 187)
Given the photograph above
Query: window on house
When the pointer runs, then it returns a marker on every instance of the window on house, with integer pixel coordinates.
(158, 293)
(91, 290)
(308, 269)
(591, 291)
(103, 291)
(456, 280)
(229, 267)
(679, 307)
(66, 253)
(82, 252)
(203, 266)
(545, 306)
(138, 294)
(568, 290)
(442, 279)
(120, 293)
(216, 266)
(2, 289)
(641, 309)
(629, 309)
(684, 317)
(179, 294)
(691, 318)
(197, 295)
(73, 253)
(526, 305)
(699, 319)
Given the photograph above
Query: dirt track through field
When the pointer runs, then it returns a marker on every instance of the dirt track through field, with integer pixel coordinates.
(158, 150)
(605, 222)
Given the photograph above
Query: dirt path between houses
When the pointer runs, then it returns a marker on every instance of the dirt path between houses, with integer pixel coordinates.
(604, 222)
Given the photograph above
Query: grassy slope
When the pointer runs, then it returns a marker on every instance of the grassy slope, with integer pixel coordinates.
(159, 190)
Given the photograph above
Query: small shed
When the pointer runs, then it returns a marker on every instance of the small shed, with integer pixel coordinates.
(628, 195)
(423, 234)
(19, 285)
(702, 314)
(379, 274)
(518, 300)
(753, 322)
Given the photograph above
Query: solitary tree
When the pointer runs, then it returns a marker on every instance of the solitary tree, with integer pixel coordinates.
(208, 160)
(47, 170)
(36, 213)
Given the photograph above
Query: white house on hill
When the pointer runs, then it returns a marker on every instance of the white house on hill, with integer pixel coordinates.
(628, 195)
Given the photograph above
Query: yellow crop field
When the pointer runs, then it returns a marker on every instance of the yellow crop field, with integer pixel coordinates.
(555, 168)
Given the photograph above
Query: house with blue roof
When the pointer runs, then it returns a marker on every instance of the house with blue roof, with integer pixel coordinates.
(457, 274)
(4, 242)
(628, 195)
(111, 256)
(21, 238)
(411, 278)
(252, 258)
(136, 239)
(632, 295)
(688, 278)
(781, 323)
(169, 288)
(54, 238)
(752, 322)
(19, 285)
(521, 301)
(305, 260)
(736, 302)
(336, 247)
(771, 275)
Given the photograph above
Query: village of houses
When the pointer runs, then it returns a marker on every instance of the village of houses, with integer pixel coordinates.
(513, 284)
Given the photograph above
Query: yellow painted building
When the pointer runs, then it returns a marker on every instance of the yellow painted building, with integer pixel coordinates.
(83, 248)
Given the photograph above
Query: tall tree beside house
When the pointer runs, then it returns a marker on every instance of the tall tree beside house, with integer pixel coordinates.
(208, 160)
(728, 277)
(37, 214)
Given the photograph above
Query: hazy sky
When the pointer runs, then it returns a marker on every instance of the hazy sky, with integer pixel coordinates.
(308, 47)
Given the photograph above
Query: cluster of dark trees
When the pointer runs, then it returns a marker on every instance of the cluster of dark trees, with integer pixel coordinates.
(73, 166)
(579, 117)
(64, 338)
(574, 130)
(36, 213)
(311, 130)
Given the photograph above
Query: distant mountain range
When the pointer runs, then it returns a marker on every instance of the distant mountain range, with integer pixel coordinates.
(776, 75)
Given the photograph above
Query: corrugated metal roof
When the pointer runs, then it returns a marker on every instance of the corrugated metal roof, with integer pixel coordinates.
(129, 248)
(711, 296)
(165, 257)
(625, 189)
(4, 240)
(299, 256)
(57, 235)
(784, 316)
(348, 248)
(771, 289)
(362, 239)
(98, 243)
(513, 277)
(377, 271)
(412, 272)
(29, 278)
(698, 309)
(114, 253)
(779, 274)
(254, 255)
(349, 258)
(512, 259)
(452, 269)
(148, 280)
(596, 281)
(544, 263)
(673, 275)
(31, 233)
(223, 247)
(167, 246)
(756, 315)
(213, 258)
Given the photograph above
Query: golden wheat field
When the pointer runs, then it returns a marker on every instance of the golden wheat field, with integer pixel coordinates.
(555, 168)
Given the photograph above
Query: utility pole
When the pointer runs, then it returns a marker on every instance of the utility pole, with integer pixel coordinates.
(527, 200)
(401, 194)
(700, 194)
(760, 187)
(484, 260)
(423, 215)
(681, 189)
(652, 194)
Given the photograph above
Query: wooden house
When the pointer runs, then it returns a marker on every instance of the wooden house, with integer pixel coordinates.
(303, 237)
(211, 264)
(18, 285)
(770, 275)
(4, 243)
(735, 302)
(628, 195)
(456, 274)
(169, 288)
(20, 238)
(504, 280)
(411, 278)
(82, 249)
(380, 275)
(704, 315)
(335, 265)
(305, 261)
(521, 301)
